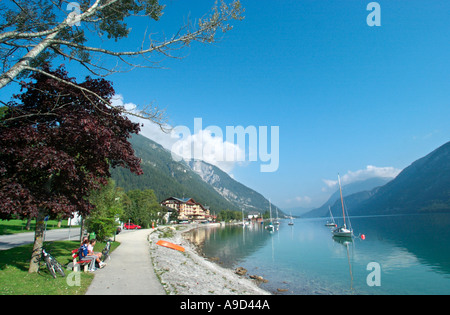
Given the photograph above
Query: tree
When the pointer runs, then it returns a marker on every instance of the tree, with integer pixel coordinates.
(108, 202)
(143, 208)
(36, 31)
(229, 215)
(52, 159)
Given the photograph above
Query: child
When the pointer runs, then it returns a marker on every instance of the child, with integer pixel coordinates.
(97, 256)
(83, 254)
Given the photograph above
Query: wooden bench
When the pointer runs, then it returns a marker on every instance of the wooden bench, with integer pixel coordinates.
(77, 262)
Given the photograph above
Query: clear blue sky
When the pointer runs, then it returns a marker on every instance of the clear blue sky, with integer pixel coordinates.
(344, 95)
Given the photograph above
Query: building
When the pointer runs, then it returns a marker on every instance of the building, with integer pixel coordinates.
(187, 209)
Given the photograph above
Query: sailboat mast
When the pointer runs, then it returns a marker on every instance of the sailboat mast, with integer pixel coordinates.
(342, 199)
(270, 211)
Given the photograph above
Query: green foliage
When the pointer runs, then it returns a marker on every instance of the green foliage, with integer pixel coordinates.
(229, 215)
(169, 178)
(109, 206)
(142, 207)
(166, 177)
(3, 110)
(112, 17)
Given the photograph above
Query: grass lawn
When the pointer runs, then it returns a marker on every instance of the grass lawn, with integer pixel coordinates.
(18, 226)
(15, 280)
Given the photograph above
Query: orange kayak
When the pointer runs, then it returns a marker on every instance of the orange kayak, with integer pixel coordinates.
(170, 245)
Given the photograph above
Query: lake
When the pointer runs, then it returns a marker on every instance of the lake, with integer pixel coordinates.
(408, 254)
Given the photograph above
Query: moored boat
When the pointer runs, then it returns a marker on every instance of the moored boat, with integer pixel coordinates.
(343, 231)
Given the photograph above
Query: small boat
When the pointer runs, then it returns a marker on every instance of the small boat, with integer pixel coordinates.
(343, 231)
(291, 222)
(270, 227)
(276, 222)
(332, 223)
(244, 223)
(170, 245)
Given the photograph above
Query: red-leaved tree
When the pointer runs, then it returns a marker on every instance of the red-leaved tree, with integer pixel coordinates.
(52, 160)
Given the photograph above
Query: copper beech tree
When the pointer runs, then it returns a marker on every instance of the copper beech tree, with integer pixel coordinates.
(60, 149)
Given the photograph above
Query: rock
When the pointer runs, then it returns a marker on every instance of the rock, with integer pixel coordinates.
(240, 271)
(282, 290)
(258, 278)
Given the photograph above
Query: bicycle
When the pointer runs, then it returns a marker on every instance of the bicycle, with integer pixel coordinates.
(106, 250)
(52, 264)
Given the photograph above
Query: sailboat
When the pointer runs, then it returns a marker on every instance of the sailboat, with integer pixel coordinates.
(270, 226)
(276, 222)
(343, 231)
(244, 223)
(291, 222)
(332, 223)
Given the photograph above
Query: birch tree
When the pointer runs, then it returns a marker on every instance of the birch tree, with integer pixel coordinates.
(33, 32)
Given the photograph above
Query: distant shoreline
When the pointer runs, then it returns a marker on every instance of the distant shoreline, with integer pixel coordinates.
(189, 273)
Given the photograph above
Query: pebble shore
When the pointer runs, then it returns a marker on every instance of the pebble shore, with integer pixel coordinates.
(187, 273)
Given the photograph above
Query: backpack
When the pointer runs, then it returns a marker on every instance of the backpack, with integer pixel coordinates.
(82, 252)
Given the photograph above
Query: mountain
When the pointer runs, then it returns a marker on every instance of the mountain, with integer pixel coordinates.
(361, 188)
(203, 182)
(422, 187)
(233, 191)
(297, 211)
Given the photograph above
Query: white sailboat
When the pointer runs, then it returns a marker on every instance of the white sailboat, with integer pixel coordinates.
(276, 222)
(291, 222)
(332, 223)
(343, 231)
(244, 223)
(270, 227)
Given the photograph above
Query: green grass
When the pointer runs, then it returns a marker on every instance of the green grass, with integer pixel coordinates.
(18, 226)
(15, 280)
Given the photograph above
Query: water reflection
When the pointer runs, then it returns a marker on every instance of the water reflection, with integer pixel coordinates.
(230, 244)
(347, 242)
(411, 250)
(417, 239)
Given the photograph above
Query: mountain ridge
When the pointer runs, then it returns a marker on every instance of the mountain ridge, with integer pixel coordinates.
(422, 187)
(196, 179)
(358, 187)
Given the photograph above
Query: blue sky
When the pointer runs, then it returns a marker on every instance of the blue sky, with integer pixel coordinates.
(344, 95)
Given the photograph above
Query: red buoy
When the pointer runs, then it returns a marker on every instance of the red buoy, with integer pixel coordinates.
(363, 237)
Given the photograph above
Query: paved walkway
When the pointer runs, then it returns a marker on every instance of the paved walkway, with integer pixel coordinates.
(14, 240)
(130, 270)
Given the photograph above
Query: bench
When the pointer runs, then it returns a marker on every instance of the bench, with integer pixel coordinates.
(77, 263)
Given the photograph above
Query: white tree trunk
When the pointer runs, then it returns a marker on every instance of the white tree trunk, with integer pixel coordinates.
(25, 61)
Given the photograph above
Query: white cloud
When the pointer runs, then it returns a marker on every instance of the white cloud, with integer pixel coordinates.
(209, 148)
(330, 183)
(206, 145)
(369, 172)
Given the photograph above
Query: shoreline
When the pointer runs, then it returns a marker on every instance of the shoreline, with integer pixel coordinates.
(189, 273)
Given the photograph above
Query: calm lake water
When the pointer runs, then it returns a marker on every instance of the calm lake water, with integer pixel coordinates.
(412, 252)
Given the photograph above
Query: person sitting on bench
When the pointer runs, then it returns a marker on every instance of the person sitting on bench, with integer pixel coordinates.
(83, 254)
(91, 252)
